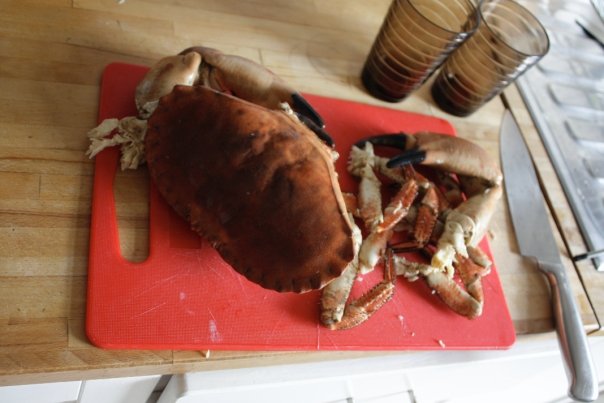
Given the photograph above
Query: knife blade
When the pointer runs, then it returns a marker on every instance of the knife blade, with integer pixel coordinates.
(536, 240)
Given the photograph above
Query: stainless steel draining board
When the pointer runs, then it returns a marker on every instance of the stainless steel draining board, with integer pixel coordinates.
(565, 96)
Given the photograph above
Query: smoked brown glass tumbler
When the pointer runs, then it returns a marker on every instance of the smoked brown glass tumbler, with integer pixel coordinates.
(415, 37)
(508, 41)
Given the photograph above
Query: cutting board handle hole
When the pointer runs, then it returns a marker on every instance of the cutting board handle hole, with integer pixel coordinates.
(131, 195)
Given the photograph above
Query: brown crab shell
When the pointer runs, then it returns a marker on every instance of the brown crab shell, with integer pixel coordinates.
(257, 184)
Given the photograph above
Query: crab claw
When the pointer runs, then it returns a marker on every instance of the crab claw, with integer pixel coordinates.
(318, 130)
(231, 74)
(251, 81)
(399, 141)
(447, 153)
(163, 77)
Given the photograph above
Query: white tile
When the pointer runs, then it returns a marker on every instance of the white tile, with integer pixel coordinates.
(41, 393)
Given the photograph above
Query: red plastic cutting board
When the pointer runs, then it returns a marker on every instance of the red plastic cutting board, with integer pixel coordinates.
(185, 297)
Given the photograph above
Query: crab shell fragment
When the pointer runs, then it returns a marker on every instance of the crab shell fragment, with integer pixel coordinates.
(257, 184)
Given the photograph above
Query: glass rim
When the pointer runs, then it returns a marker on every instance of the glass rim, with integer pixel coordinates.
(397, 23)
(398, 19)
(526, 13)
(473, 16)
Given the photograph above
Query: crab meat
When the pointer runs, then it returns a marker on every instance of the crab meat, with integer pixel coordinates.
(369, 200)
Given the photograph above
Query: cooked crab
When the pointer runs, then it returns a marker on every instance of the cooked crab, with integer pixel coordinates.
(254, 178)
(452, 243)
(257, 180)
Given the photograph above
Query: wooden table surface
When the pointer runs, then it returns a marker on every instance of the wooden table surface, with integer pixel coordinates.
(52, 55)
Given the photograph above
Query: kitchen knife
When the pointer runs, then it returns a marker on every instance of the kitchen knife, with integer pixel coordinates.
(536, 240)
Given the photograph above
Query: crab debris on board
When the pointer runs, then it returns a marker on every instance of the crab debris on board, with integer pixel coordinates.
(434, 216)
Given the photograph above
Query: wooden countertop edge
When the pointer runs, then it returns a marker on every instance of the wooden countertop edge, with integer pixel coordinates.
(193, 361)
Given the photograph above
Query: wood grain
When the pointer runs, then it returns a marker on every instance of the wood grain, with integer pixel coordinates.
(52, 54)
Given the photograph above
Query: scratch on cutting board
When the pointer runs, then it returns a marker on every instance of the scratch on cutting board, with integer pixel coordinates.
(218, 273)
(333, 344)
(148, 310)
(213, 329)
(155, 285)
(276, 325)
(239, 280)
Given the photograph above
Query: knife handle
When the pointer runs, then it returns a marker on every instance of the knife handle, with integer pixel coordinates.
(573, 341)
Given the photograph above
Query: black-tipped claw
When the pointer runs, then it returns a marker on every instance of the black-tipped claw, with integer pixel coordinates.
(395, 140)
(399, 141)
(408, 157)
(301, 105)
(319, 131)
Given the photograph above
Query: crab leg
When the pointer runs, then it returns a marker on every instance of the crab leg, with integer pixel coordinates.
(398, 207)
(468, 302)
(426, 216)
(358, 311)
(425, 221)
(446, 153)
(367, 206)
(236, 75)
(360, 164)
(375, 244)
(336, 293)
(450, 193)
(335, 312)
